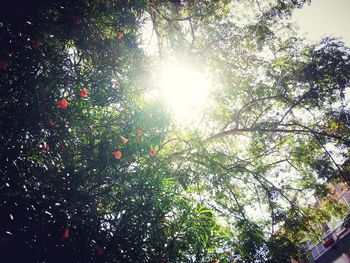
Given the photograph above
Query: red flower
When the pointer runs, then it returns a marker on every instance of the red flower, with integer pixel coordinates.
(19, 12)
(83, 92)
(117, 155)
(36, 44)
(45, 147)
(139, 132)
(164, 219)
(50, 122)
(123, 139)
(62, 103)
(116, 85)
(87, 182)
(152, 152)
(77, 21)
(99, 250)
(62, 148)
(3, 65)
(65, 235)
(3, 240)
(119, 35)
(163, 260)
(215, 261)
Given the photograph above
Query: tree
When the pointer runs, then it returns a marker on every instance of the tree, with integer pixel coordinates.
(93, 171)
(266, 143)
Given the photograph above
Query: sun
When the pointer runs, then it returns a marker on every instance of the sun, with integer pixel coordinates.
(185, 89)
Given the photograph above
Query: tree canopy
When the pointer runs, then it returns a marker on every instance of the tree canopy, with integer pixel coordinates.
(95, 170)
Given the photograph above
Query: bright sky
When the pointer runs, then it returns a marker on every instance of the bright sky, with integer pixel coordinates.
(186, 90)
(325, 18)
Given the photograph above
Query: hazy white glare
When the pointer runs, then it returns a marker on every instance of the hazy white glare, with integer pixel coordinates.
(185, 90)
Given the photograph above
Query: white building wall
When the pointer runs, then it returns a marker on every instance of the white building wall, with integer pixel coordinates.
(342, 259)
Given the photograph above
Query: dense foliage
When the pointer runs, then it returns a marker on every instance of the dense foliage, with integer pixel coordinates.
(92, 170)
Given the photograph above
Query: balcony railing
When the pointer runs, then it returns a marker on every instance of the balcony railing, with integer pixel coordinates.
(331, 237)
